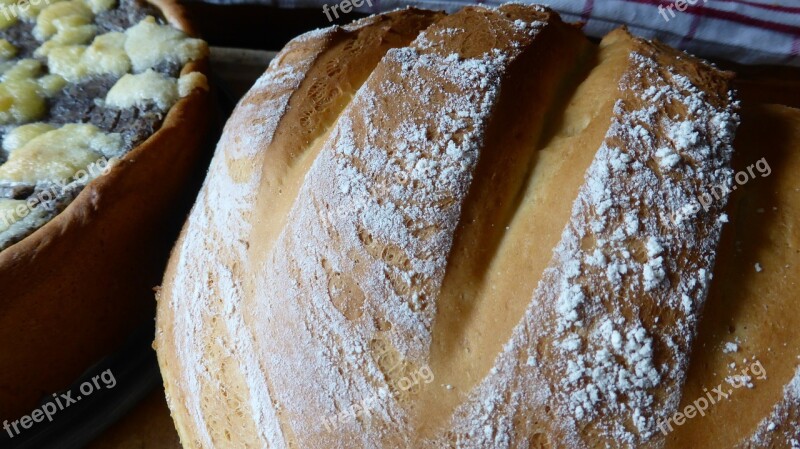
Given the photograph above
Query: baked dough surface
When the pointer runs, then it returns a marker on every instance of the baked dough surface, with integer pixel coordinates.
(484, 234)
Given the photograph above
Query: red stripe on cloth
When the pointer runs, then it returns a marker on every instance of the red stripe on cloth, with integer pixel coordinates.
(692, 30)
(795, 52)
(729, 16)
(781, 8)
(588, 7)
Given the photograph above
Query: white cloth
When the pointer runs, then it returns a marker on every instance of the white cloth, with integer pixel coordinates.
(744, 31)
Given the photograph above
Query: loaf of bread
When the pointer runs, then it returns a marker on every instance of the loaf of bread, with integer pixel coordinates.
(481, 230)
(104, 109)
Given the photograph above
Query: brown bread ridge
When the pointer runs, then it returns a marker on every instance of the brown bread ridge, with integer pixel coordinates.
(481, 237)
(274, 135)
(748, 340)
(76, 288)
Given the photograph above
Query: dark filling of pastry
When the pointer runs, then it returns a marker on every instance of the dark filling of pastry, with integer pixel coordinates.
(127, 14)
(20, 35)
(76, 103)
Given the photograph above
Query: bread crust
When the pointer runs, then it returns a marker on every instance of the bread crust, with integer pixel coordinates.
(752, 303)
(74, 289)
(315, 274)
(297, 82)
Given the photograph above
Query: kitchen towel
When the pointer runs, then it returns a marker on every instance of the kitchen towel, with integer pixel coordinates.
(743, 31)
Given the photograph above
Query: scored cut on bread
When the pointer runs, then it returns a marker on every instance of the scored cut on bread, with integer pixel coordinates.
(494, 241)
(748, 340)
(305, 65)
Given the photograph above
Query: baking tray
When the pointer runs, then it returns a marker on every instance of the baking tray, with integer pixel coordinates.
(135, 371)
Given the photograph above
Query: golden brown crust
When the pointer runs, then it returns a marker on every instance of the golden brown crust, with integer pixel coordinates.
(306, 87)
(75, 288)
(410, 239)
(752, 304)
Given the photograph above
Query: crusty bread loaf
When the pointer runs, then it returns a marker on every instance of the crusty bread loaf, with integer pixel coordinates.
(752, 304)
(76, 288)
(492, 241)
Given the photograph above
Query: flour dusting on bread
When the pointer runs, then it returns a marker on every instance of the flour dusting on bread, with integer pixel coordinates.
(615, 295)
(340, 306)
